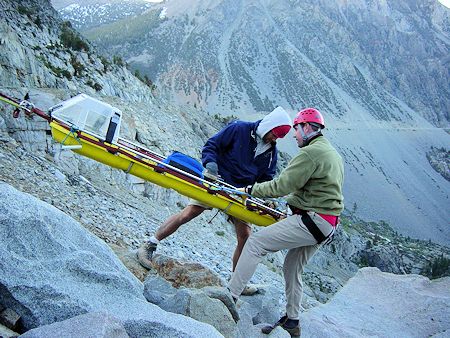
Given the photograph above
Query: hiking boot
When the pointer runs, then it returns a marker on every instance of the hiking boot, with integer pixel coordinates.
(145, 254)
(267, 329)
(293, 327)
(290, 325)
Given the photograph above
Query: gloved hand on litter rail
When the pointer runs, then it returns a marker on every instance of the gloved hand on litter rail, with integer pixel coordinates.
(241, 190)
(211, 171)
(270, 204)
(247, 190)
(244, 195)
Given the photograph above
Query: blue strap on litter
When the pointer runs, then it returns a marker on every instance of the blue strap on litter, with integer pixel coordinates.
(230, 190)
(73, 131)
(185, 162)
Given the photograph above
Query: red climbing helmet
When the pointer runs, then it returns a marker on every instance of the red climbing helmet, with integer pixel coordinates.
(309, 115)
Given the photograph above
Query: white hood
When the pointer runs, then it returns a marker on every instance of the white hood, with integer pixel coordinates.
(278, 117)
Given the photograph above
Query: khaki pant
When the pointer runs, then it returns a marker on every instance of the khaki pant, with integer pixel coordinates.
(292, 234)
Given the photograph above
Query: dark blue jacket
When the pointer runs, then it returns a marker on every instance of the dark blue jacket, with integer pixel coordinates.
(233, 149)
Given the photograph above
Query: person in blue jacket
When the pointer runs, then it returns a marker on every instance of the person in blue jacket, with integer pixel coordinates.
(242, 153)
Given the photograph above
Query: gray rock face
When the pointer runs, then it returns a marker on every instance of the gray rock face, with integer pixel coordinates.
(186, 274)
(211, 305)
(385, 259)
(375, 303)
(264, 307)
(440, 161)
(157, 289)
(9, 318)
(224, 296)
(196, 304)
(7, 333)
(52, 269)
(92, 325)
(40, 50)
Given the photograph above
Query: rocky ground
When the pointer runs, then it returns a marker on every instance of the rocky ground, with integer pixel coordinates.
(123, 211)
(67, 282)
(439, 159)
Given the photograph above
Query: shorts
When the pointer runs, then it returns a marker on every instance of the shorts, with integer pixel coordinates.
(199, 204)
(230, 219)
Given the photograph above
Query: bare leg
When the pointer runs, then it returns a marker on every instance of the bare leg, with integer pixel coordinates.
(243, 231)
(175, 221)
(145, 252)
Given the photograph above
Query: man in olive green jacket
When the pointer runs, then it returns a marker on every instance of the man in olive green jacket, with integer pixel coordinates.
(313, 184)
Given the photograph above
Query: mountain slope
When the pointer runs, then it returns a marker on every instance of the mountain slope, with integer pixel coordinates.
(93, 14)
(38, 49)
(230, 54)
(377, 70)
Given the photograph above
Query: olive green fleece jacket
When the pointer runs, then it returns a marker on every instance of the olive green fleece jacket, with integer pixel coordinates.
(312, 180)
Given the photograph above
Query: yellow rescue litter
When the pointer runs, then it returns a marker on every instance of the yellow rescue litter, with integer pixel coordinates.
(91, 128)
